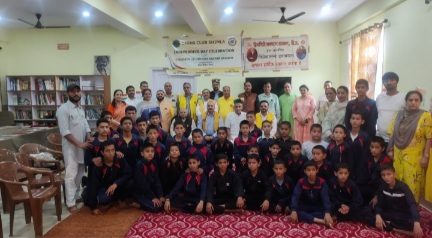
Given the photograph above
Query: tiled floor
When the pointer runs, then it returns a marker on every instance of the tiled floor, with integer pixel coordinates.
(21, 229)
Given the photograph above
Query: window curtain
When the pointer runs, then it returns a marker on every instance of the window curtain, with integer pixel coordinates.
(365, 48)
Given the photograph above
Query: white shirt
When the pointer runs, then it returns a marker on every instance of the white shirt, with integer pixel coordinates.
(198, 112)
(132, 102)
(387, 107)
(233, 122)
(173, 100)
(307, 147)
(71, 120)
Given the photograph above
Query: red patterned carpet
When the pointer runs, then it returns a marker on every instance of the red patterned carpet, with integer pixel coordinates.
(251, 224)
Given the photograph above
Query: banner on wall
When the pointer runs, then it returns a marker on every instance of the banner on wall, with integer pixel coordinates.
(287, 53)
(204, 55)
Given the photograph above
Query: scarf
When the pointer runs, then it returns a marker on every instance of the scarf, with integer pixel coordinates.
(405, 127)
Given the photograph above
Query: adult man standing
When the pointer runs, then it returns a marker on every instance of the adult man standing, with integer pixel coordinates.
(202, 102)
(388, 104)
(170, 97)
(232, 122)
(323, 99)
(225, 103)
(286, 102)
(143, 86)
(263, 115)
(166, 110)
(131, 99)
(216, 93)
(249, 99)
(209, 122)
(272, 100)
(75, 130)
(188, 101)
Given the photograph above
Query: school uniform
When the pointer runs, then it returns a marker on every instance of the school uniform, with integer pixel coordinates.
(255, 189)
(285, 145)
(170, 173)
(184, 144)
(194, 187)
(280, 192)
(325, 171)
(101, 178)
(264, 144)
(240, 151)
(227, 147)
(111, 133)
(205, 156)
(134, 129)
(131, 150)
(224, 190)
(397, 207)
(340, 153)
(162, 135)
(148, 185)
(311, 200)
(160, 152)
(295, 167)
(267, 164)
(256, 132)
(360, 149)
(349, 195)
(94, 151)
(367, 108)
(369, 180)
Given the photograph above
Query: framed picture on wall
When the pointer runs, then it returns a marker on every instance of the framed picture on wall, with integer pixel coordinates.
(102, 65)
(277, 84)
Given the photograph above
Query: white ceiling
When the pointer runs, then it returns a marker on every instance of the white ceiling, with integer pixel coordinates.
(200, 15)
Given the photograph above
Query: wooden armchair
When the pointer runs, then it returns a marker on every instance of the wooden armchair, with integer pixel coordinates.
(33, 198)
(56, 140)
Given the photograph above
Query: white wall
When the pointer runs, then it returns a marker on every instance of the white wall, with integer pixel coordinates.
(34, 52)
(407, 40)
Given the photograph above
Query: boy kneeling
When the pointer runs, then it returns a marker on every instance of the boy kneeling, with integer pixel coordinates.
(108, 182)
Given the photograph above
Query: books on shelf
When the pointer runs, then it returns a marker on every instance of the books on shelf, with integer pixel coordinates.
(65, 82)
(16, 84)
(46, 114)
(93, 114)
(44, 84)
(94, 100)
(23, 115)
(23, 100)
(45, 99)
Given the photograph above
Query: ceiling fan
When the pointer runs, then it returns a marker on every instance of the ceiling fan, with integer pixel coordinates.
(39, 25)
(284, 20)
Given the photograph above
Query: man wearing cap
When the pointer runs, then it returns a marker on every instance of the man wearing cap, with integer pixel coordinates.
(75, 130)
(272, 100)
(225, 103)
(249, 99)
(216, 93)
(170, 96)
(233, 120)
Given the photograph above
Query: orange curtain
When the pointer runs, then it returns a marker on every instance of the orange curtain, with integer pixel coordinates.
(364, 57)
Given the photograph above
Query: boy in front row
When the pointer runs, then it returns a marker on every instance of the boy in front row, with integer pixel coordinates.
(148, 193)
(224, 190)
(194, 186)
(254, 180)
(282, 187)
(310, 201)
(109, 181)
(396, 209)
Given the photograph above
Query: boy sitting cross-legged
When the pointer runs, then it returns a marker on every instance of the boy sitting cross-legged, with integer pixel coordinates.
(193, 185)
(282, 187)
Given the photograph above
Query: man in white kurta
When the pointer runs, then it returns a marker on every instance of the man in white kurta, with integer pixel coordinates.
(75, 131)
(233, 120)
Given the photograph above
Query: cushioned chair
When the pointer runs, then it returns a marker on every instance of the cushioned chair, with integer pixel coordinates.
(56, 140)
(33, 197)
(7, 118)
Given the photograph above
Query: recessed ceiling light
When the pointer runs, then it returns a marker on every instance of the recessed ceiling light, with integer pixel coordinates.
(325, 9)
(228, 10)
(86, 13)
(158, 13)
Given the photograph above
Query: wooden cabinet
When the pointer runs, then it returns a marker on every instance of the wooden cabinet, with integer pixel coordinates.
(34, 99)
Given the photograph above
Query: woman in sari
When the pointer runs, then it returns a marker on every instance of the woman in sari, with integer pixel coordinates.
(117, 108)
(335, 114)
(409, 144)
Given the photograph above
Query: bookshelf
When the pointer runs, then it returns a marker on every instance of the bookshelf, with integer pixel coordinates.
(34, 99)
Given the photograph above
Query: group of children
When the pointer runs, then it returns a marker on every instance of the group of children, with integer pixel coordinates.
(349, 179)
